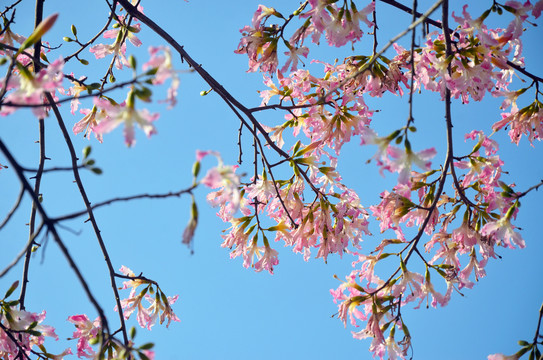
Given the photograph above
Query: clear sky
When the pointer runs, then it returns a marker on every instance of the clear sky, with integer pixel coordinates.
(227, 311)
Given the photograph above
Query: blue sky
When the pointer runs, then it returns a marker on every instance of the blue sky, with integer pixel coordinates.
(226, 311)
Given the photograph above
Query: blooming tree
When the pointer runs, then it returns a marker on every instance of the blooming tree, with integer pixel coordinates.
(441, 222)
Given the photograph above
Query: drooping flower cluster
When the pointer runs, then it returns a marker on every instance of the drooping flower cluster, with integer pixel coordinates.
(468, 63)
(313, 210)
(159, 304)
(22, 332)
(86, 332)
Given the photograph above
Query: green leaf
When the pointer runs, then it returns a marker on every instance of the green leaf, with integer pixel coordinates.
(93, 86)
(86, 151)
(147, 346)
(33, 333)
(144, 94)
(11, 289)
(32, 325)
(143, 356)
(132, 61)
(11, 303)
(153, 71)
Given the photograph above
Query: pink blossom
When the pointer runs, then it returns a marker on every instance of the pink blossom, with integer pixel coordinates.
(402, 161)
(259, 42)
(28, 88)
(293, 58)
(116, 49)
(537, 9)
(88, 123)
(131, 284)
(373, 330)
(268, 260)
(262, 190)
(21, 321)
(527, 121)
(223, 177)
(114, 33)
(86, 331)
(126, 114)
(159, 309)
(74, 91)
(503, 357)
(161, 59)
(503, 232)
(410, 286)
(9, 38)
(325, 19)
(428, 289)
(393, 350)
(133, 303)
(475, 266)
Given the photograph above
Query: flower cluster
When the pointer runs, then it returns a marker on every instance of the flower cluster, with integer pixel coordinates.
(159, 305)
(23, 332)
(23, 88)
(313, 209)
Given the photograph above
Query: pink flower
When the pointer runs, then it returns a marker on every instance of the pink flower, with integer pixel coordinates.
(74, 91)
(477, 267)
(428, 289)
(114, 33)
(527, 121)
(325, 19)
(21, 321)
(131, 284)
(503, 357)
(502, 231)
(89, 122)
(223, 177)
(86, 331)
(259, 42)
(116, 49)
(132, 303)
(537, 9)
(268, 260)
(28, 88)
(160, 307)
(126, 114)
(410, 287)
(161, 59)
(403, 160)
(294, 56)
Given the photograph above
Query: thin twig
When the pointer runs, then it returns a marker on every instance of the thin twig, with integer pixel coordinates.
(41, 125)
(14, 208)
(86, 201)
(52, 229)
(27, 247)
(126, 198)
